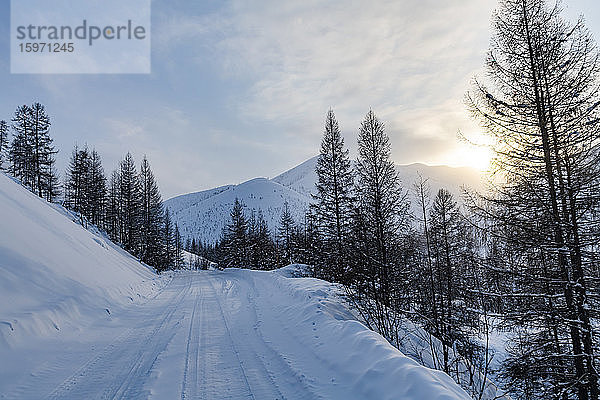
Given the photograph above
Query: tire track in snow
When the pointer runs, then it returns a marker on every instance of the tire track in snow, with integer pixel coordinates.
(128, 354)
(268, 373)
(191, 363)
(231, 342)
(295, 385)
(145, 360)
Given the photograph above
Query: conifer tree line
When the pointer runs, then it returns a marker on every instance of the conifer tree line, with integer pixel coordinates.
(247, 242)
(127, 206)
(522, 258)
(29, 156)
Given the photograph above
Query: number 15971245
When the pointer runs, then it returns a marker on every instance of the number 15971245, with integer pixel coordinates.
(46, 47)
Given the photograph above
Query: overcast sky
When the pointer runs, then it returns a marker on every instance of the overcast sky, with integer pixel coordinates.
(240, 89)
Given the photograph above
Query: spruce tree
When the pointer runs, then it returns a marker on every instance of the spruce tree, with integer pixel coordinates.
(4, 129)
(265, 245)
(253, 254)
(235, 238)
(285, 234)
(151, 216)
(333, 200)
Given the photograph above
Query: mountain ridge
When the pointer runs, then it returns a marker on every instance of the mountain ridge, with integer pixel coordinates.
(202, 215)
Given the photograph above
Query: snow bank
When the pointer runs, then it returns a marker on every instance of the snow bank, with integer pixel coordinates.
(55, 274)
(294, 271)
(318, 322)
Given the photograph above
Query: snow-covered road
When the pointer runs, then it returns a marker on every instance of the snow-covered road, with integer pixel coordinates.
(233, 334)
(184, 343)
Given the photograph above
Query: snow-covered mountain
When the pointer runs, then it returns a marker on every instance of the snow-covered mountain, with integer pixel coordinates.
(203, 214)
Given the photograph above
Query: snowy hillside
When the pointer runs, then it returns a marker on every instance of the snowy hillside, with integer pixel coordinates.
(55, 274)
(203, 214)
(301, 178)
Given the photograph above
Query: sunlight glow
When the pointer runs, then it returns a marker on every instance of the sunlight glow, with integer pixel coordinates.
(467, 155)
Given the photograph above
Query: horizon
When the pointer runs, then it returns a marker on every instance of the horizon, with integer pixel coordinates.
(271, 178)
(239, 91)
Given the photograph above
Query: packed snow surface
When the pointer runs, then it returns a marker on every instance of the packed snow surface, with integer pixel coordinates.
(81, 319)
(230, 334)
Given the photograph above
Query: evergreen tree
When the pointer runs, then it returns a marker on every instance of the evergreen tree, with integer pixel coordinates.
(265, 247)
(285, 234)
(253, 255)
(377, 272)
(130, 205)
(235, 238)
(151, 216)
(261, 247)
(4, 129)
(333, 201)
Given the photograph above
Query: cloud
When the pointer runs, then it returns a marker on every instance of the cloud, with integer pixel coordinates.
(405, 59)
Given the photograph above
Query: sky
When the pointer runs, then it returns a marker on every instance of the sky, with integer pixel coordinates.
(240, 89)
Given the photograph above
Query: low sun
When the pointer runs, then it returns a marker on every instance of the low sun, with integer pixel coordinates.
(468, 155)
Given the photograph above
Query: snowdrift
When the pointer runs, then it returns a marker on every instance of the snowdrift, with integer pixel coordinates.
(55, 274)
(316, 322)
